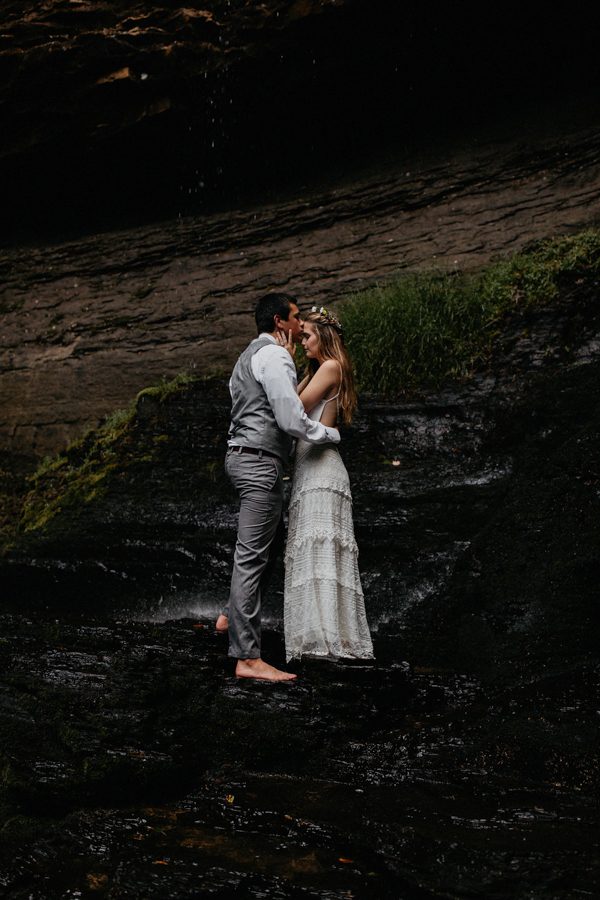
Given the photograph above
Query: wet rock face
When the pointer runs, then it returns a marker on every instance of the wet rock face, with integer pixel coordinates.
(479, 477)
(463, 762)
(350, 139)
(276, 149)
(163, 487)
(87, 324)
(110, 106)
(133, 764)
(121, 97)
(121, 113)
(154, 773)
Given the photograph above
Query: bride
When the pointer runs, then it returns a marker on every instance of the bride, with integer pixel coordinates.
(324, 609)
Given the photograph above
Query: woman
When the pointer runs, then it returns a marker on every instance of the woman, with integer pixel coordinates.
(324, 609)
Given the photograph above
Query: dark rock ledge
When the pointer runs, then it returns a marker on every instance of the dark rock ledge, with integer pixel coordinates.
(136, 766)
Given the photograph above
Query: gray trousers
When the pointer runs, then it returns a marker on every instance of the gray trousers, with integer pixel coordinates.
(259, 483)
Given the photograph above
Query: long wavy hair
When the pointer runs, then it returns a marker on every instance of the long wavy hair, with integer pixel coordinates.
(331, 346)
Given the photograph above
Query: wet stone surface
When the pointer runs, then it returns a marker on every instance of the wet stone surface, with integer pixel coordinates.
(463, 763)
(135, 765)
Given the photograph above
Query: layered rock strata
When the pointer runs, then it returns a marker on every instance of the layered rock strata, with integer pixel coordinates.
(88, 323)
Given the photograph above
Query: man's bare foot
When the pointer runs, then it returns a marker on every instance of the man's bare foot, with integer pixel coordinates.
(222, 624)
(258, 668)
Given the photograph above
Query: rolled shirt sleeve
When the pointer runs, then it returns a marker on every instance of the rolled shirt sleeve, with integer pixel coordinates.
(274, 368)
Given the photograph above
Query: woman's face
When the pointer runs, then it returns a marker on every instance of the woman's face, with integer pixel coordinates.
(310, 341)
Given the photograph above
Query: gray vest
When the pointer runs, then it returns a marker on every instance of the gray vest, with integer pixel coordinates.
(252, 421)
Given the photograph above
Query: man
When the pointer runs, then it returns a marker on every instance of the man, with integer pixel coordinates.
(266, 415)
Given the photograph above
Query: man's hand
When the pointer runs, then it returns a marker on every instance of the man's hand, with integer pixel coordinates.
(287, 343)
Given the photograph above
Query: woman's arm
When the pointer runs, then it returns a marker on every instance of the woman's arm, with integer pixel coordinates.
(303, 384)
(320, 385)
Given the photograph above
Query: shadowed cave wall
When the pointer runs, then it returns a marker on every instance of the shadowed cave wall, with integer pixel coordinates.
(117, 112)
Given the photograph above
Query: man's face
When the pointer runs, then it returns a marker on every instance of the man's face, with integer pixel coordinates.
(293, 323)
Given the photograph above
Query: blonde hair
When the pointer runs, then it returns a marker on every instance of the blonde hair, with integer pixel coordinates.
(331, 346)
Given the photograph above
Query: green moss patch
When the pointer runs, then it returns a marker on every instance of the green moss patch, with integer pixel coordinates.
(83, 472)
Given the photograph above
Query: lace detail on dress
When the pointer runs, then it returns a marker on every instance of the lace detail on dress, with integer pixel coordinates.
(300, 540)
(324, 611)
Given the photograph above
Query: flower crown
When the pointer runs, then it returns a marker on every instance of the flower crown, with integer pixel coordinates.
(330, 319)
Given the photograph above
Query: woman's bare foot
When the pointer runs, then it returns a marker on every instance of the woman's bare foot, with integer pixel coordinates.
(257, 668)
(222, 624)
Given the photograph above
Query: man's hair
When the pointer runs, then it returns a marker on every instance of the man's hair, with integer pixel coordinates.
(268, 307)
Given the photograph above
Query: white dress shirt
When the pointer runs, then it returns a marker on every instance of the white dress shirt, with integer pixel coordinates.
(273, 367)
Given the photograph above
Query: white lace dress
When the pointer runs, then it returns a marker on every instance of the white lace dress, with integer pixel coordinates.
(324, 608)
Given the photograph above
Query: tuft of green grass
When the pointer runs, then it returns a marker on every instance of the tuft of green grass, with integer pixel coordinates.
(421, 328)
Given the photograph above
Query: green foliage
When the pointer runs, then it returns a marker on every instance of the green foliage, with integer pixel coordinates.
(420, 328)
(82, 473)
(165, 388)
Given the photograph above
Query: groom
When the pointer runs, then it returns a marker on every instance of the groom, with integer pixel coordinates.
(266, 415)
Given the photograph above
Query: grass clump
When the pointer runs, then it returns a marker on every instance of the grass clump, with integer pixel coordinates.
(421, 328)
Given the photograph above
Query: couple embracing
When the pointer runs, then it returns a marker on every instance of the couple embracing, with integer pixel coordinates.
(324, 611)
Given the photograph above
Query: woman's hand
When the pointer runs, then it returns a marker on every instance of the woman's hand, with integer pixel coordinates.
(287, 343)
